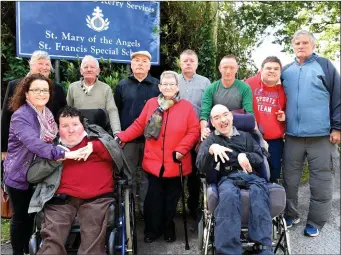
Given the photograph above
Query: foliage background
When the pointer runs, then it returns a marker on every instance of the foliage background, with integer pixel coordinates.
(212, 29)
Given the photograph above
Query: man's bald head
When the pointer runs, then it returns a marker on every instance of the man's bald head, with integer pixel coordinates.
(222, 119)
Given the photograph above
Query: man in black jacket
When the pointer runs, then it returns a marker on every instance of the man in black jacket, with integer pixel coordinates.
(238, 155)
(130, 96)
(39, 63)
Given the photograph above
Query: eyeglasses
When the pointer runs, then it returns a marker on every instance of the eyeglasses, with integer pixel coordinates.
(168, 85)
(38, 91)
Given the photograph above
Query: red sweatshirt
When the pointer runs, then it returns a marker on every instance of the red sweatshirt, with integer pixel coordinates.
(90, 178)
(266, 102)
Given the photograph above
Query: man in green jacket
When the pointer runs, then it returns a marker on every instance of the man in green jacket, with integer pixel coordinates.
(228, 91)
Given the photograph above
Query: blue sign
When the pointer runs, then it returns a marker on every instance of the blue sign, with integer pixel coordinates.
(71, 30)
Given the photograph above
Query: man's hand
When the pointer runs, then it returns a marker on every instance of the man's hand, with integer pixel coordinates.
(3, 155)
(280, 115)
(205, 132)
(335, 137)
(218, 150)
(244, 162)
(178, 155)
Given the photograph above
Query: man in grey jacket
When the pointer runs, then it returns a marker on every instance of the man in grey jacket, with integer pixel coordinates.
(192, 86)
(68, 188)
(90, 93)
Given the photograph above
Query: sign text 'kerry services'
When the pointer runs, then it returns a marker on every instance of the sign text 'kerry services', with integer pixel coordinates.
(71, 30)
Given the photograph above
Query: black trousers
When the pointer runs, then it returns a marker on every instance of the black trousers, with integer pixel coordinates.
(193, 186)
(160, 206)
(22, 222)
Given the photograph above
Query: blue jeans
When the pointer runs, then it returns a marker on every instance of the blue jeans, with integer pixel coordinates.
(228, 213)
(276, 147)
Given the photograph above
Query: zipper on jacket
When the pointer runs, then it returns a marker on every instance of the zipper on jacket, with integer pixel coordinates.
(162, 170)
(298, 92)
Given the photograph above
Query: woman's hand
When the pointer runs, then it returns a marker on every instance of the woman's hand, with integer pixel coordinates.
(82, 153)
(178, 155)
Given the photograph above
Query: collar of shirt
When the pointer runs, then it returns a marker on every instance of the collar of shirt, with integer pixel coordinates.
(190, 80)
(85, 86)
(234, 131)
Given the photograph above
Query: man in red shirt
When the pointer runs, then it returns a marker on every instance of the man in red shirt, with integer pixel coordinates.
(85, 189)
(269, 104)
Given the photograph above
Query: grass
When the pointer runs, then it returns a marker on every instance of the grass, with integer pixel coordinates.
(5, 230)
(305, 175)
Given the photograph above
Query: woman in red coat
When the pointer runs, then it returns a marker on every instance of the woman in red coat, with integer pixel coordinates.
(170, 126)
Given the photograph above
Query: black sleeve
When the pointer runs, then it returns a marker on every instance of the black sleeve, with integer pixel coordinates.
(118, 97)
(7, 114)
(59, 100)
(205, 161)
(254, 151)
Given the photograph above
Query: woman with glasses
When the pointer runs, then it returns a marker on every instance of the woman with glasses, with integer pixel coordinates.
(171, 129)
(40, 63)
(32, 129)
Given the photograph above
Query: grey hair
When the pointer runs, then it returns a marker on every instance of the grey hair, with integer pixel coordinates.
(303, 32)
(189, 52)
(89, 57)
(170, 74)
(40, 54)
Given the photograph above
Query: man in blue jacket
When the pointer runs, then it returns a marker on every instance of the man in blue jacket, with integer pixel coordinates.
(312, 87)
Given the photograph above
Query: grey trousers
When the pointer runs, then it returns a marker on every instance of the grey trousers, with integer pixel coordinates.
(58, 218)
(134, 154)
(319, 153)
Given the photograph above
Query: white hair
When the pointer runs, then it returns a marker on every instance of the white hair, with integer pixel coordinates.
(170, 74)
(89, 57)
(40, 54)
(303, 32)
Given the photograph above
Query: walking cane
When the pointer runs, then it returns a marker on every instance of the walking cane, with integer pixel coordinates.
(183, 200)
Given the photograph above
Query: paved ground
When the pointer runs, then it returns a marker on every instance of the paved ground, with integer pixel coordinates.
(328, 242)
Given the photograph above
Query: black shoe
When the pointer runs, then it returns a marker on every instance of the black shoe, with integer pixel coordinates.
(149, 239)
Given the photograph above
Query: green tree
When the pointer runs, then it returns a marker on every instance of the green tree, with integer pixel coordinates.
(320, 18)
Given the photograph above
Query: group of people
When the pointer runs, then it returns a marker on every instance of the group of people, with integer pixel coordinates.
(158, 124)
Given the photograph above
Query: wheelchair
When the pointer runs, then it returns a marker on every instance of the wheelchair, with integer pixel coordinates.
(210, 199)
(121, 237)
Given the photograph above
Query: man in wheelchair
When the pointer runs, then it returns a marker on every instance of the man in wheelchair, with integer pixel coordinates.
(237, 155)
(69, 188)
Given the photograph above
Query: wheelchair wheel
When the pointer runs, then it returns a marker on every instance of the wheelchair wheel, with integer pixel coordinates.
(112, 242)
(34, 243)
(201, 233)
(283, 239)
(130, 222)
